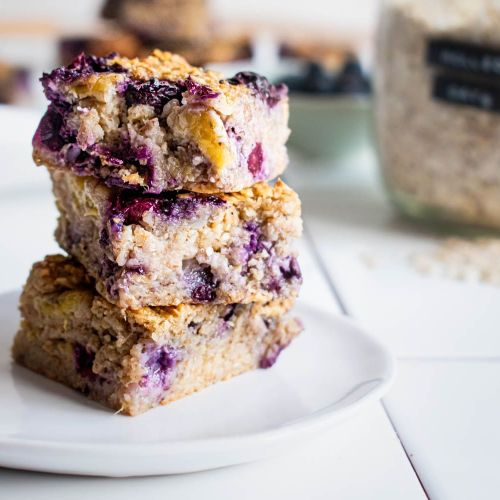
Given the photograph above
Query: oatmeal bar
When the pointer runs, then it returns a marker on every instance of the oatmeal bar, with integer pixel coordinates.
(178, 248)
(158, 124)
(135, 360)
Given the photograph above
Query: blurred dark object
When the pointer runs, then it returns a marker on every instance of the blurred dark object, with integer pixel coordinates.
(180, 26)
(124, 43)
(111, 9)
(220, 50)
(316, 79)
(329, 55)
(14, 85)
(330, 104)
(351, 79)
(161, 20)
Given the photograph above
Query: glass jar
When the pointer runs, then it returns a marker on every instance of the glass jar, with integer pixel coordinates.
(437, 83)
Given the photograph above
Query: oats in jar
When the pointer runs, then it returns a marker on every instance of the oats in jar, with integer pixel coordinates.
(438, 108)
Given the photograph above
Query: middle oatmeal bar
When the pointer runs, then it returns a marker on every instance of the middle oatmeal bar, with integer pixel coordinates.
(174, 248)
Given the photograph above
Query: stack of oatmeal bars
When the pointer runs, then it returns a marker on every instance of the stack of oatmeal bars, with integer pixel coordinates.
(181, 269)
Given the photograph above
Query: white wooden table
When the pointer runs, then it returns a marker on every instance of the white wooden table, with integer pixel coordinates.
(435, 434)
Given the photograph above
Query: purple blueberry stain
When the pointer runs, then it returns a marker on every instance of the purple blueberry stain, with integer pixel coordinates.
(290, 269)
(108, 267)
(224, 324)
(130, 208)
(153, 92)
(74, 155)
(157, 93)
(286, 270)
(81, 66)
(134, 210)
(84, 360)
(255, 244)
(85, 159)
(124, 153)
(112, 288)
(229, 312)
(104, 240)
(49, 129)
(160, 366)
(231, 132)
(144, 155)
(202, 285)
(186, 208)
(135, 266)
(198, 90)
(114, 157)
(200, 282)
(271, 355)
(260, 86)
(116, 224)
(274, 285)
(255, 162)
(108, 270)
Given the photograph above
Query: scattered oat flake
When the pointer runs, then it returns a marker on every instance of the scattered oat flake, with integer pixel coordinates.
(368, 260)
(475, 260)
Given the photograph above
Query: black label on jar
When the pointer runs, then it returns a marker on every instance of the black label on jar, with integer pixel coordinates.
(464, 57)
(467, 93)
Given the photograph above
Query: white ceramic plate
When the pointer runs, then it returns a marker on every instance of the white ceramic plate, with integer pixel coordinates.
(325, 375)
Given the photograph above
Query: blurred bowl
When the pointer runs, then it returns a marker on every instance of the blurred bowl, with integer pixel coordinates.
(331, 126)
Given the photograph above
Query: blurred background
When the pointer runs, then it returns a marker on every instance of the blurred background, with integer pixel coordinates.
(323, 49)
(35, 36)
(395, 118)
(306, 43)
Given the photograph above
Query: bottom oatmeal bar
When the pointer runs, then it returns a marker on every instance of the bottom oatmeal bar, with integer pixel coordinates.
(135, 360)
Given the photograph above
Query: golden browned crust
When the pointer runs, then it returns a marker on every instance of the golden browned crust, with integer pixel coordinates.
(278, 197)
(57, 274)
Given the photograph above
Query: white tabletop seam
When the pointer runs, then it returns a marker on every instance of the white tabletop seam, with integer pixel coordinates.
(338, 298)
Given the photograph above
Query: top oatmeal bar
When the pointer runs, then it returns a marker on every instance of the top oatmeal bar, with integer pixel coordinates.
(159, 124)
